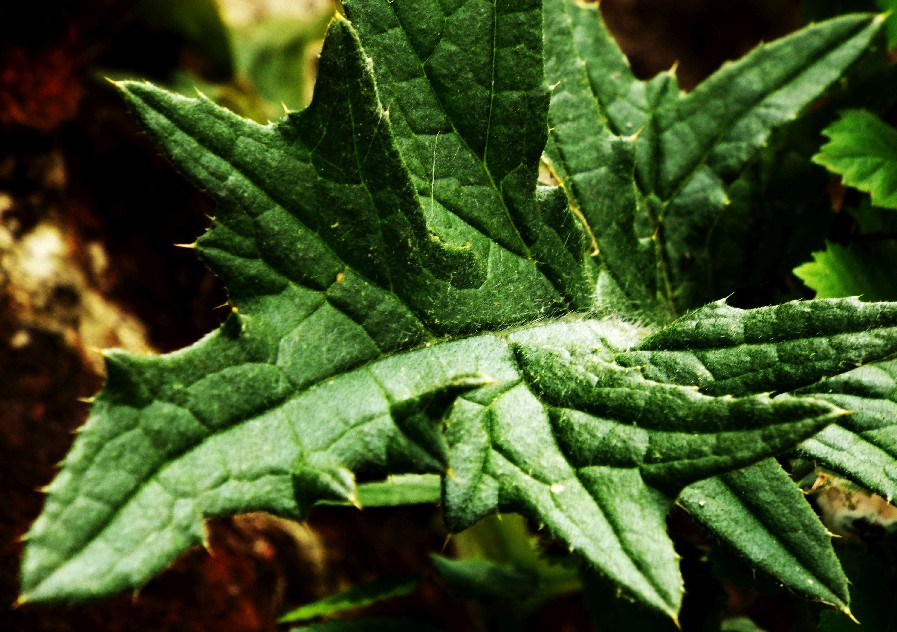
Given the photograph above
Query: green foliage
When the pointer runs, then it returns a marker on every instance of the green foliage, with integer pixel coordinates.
(862, 149)
(407, 299)
(372, 624)
(274, 57)
(683, 148)
(199, 23)
(358, 597)
(744, 509)
(849, 271)
(483, 579)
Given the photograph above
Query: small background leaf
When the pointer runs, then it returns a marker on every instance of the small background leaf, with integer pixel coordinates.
(862, 149)
(483, 579)
(739, 624)
(200, 23)
(409, 489)
(358, 597)
(371, 624)
(855, 270)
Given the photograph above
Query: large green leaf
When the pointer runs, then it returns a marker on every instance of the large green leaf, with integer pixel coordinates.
(647, 165)
(407, 300)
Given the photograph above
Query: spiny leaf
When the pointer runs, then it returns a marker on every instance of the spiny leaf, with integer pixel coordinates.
(862, 149)
(759, 512)
(597, 453)
(891, 7)
(720, 349)
(861, 447)
(464, 86)
(652, 225)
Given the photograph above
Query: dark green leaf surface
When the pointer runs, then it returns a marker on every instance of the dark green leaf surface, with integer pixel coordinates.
(722, 349)
(407, 300)
(758, 511)
(465, 91)
(761, 513)
(647, 165)
(862, 149)
(863, 446)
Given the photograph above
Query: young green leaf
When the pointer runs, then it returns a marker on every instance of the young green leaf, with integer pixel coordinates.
(485, 579)
(199, 23)
(408, 489)
(369, 624)
(856, 270)
(862, 149)
(861, 447)
(357, 597)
